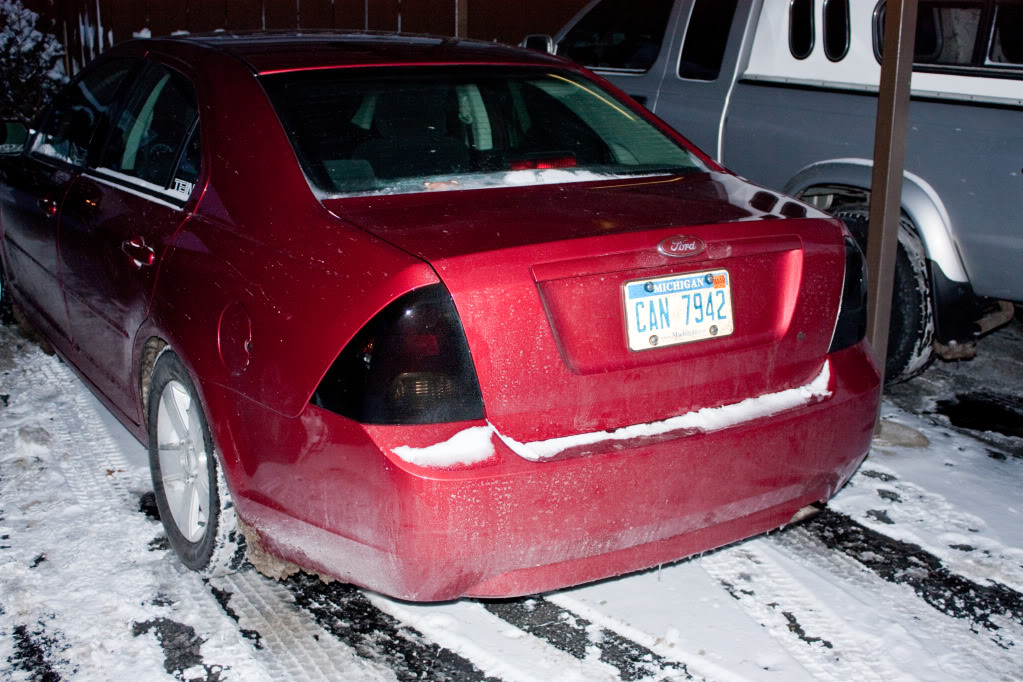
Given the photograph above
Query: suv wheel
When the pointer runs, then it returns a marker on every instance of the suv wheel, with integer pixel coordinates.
(911, 326)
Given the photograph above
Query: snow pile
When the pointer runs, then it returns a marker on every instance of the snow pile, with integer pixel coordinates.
(468, 446)
(703, 420)
(30, 62)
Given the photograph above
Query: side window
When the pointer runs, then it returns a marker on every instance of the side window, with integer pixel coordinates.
(145, 141)
(1007, 41)
(66, 130)
(618, 34)
(947, 34)
(188, 168)
(706, 37)
(836, 29)
(801, 28)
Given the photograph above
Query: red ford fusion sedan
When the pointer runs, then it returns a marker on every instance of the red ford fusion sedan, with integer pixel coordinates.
(432, 316)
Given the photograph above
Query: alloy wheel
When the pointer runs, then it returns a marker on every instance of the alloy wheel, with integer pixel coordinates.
(183, 461)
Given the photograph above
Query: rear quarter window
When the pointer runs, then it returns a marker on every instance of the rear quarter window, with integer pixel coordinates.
(706, 38)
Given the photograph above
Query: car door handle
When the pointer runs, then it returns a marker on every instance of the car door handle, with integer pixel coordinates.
(639, 98)
(48, 206)
(138, 251)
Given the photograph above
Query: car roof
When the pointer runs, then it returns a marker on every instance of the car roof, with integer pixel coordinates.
(277, 51)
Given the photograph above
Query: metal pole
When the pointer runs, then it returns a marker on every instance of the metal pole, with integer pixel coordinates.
(889, 162)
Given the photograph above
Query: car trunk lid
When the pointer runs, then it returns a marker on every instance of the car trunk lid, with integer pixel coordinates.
(539, 276)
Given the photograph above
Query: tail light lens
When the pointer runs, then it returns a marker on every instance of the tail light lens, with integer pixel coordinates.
(852, 314)
(409, 365)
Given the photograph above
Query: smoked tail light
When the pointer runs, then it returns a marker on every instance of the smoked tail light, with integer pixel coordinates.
(851, 326)
(409, 365)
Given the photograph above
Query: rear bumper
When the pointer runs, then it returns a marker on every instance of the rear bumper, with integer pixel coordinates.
(340, 503)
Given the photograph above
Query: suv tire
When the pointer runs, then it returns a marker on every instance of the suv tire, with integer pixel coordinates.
(911, 326)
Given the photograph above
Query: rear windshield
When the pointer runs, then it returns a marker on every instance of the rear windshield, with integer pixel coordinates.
(383, 130)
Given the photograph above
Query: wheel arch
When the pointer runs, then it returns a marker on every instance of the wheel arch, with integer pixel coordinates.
(919, 201)
(148, 355)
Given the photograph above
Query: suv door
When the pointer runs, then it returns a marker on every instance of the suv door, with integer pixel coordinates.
(621, 40)
(703, 58)
(35, 184)
(117, 220)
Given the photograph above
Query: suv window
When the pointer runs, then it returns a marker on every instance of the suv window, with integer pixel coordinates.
(1007, 41)
(962, 33)
(946, 35)
(836, 29)
(801, 28)
(706, 38)
(618, 34)
(151, 130)
(67, 128)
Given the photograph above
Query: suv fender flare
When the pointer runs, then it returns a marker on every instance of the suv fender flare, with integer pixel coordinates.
(919, 200)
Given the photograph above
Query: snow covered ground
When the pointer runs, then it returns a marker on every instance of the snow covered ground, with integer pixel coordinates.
(914, 572)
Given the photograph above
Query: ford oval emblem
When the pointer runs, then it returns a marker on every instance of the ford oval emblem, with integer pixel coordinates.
(681, 246)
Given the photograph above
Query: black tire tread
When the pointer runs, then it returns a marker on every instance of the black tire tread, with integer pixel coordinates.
(911, 325)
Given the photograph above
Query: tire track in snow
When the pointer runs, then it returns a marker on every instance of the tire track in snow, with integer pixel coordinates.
(816, 637)
(33, 650)
(293, 645)
(961, 645)
(903, 563)
(345, 612)
(586, 640)
(501, 649)
(90, 458)
(296, 647)
(962, 544)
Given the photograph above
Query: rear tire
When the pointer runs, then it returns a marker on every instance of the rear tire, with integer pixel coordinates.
(188, 481)
(911, 325)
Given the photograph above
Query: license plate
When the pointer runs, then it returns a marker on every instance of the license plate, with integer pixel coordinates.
(666, 311)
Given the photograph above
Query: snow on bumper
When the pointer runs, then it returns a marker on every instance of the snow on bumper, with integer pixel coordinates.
(345, 505)
(474, 444)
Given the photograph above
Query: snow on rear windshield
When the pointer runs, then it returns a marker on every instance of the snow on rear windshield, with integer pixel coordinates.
(389, 130)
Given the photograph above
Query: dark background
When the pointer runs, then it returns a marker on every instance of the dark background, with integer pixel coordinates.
(76, 22)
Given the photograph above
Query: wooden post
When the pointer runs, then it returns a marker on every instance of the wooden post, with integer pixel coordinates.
(889, 162)
(461, 18)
